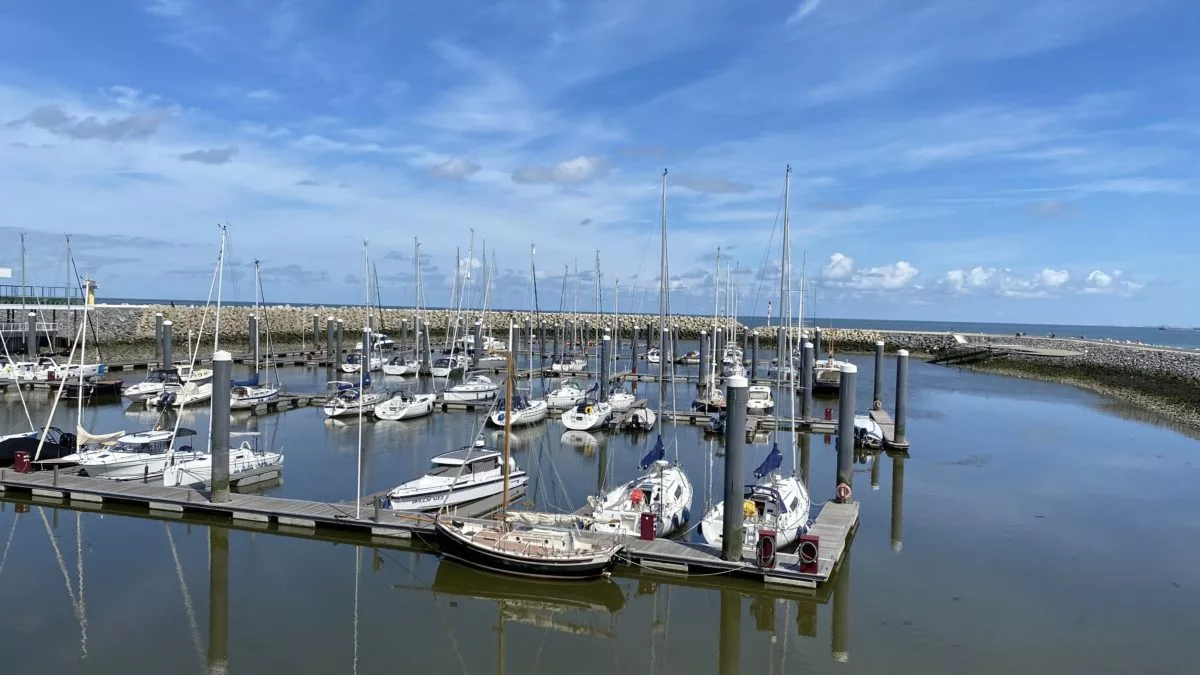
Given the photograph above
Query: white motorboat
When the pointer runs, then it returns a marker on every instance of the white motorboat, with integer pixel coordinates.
(663, 490)
(867, 432)
(47, 369)
(380, 340)
(777, 503)
(458, 477)
(639, 419)
(588, 415)
(621, 400)
(399, 365)
(347, 399)
(196, 471)
(155, 383)
(566, 364)
(405, 405)
(133, 456)
(188, 394)
(735, 369)
(566, 395)
(189, 373)
(353, 362)
(653, 355)
(827, 374)
(786, 373)
(448, 365)
(759, 400)
(475, 388)
(250, 393)
(525, 411)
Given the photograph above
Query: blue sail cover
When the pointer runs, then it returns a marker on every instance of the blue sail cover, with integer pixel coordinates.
(366, 380)
(773, 461)
(654, 455)
(593, 389)
(250, 382)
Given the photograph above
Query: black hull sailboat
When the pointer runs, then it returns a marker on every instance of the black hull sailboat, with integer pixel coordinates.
(527, 553)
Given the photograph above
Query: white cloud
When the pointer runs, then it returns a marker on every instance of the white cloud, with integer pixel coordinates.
(840, 267)
(802, 11)
(570, 171)
(1098, 279)
(1052, 278)
(454, 168)
(1099, 282)
(1047, 283)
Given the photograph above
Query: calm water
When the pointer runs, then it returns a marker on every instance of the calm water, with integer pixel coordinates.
(1038, 530)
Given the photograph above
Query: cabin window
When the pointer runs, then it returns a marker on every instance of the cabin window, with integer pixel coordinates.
(678, 491)
(795, 503)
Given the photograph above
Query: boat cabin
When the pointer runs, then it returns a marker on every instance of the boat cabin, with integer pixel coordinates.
(155, 442)
(761, 500)
(473, 459)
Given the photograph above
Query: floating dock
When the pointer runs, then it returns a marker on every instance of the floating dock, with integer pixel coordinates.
(835, 524)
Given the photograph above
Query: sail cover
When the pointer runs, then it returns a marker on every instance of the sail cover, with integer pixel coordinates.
(773, 460)
(250, 382)
(654, 455)
(83, 437)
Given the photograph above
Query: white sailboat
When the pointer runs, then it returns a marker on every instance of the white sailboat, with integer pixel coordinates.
(476, 388)
(250, 393)
(621, 400)
(405, 405)
(348, 398)
(401, 365)
(520, 412)
(446, 366)
(662, 494)
(567, 394)
(588, 415)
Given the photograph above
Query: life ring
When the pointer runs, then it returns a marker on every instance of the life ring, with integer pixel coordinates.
(843, 492)
(877, 405)
(587, 410)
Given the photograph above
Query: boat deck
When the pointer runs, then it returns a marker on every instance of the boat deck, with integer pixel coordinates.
(835, 524)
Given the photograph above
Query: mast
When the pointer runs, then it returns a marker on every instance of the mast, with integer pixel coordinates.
(536, 318)
(82, 349)
(220, 283)
(712, 364)
(508, 394)
(662, 298)
(785, 271)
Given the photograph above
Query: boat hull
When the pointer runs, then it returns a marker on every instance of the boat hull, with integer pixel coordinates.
(455, 547)
(435, 499)
(520, 418)
(469, 396)
(423, 405)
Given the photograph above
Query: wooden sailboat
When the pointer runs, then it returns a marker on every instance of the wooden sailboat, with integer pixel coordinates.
(527, 544)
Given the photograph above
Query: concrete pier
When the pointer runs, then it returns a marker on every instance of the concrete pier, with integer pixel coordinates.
(900, 438)
(878, 395)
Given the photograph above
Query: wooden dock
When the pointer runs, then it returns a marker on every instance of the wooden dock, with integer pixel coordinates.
(835, 524)
(884, 420)
(757, 423)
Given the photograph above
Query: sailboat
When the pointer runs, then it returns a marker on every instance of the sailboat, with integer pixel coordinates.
(250, 393)
(662, 493)
(775, 502)
(195, 470)
(519, 543)
(405, 405)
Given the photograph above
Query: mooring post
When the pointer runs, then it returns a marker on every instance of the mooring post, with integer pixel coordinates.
(341, 330)
(878, 396)
(729, 647)
(754, 357)
(329, 341)
(704, 356)
(783, 360)
(557, 335)
(840, 644)
(541, 342)
(675, 343)
(370, 320)
(899, 436)
(805, 457)
(423, 342)
(897, 501)
(218, 600)
(735, 448)
(604, 366)
(316, 331)
(650, 338)
(807, 357)
(417, 333)
(817, 343)
(252, 331)
(158, 321)
(31, 338)
(222, 363)
(845, 447)
(478, 341)
(633, 350)
(168, 328)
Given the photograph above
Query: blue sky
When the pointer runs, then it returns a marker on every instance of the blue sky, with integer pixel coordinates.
(952, 159)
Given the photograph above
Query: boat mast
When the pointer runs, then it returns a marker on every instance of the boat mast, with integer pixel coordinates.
(220, 283)
(537, 320)
(82, 348)
(508, 394)
(662, 299)
(712, 364)
(364, 366)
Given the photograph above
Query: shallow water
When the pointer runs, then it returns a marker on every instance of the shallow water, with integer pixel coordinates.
(1036, 531)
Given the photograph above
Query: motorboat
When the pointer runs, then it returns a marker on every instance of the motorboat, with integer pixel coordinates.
(715, 425)
(776, 503)
(567, 364)
(690, 358)
(639, 419)
(399, 365)
(474, 389)
(567, 394)
(137, 455)
(157, 381)
(588, 415)
(188, 394)
(525, 411)
(58, 444)
(759, 400)
(246, 394)
(735, 369)
(621, 400)
(379, 341)
(446, 366)
(47, 369)
(511, 546)
(867, 432)
(348, 399)
(189, 373)
(405, 405)
(662, 490)
(196, 470)
(457, 477)
(827, 374)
